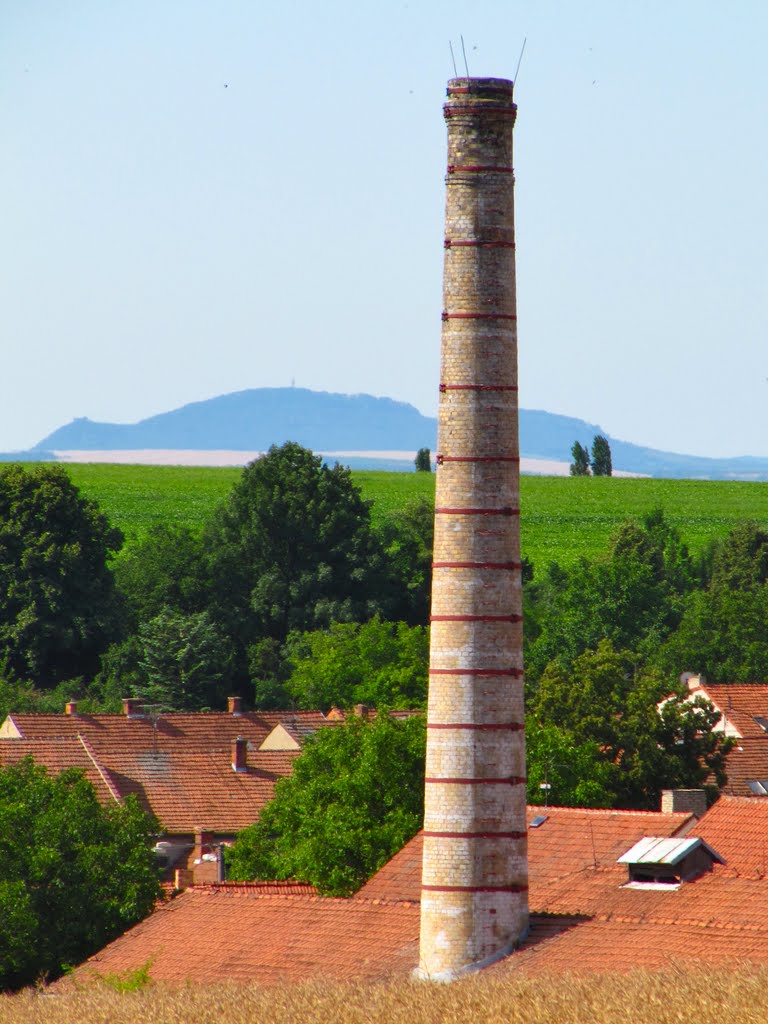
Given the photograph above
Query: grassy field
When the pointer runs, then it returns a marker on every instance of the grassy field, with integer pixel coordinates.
(679, 995)
(562, 517)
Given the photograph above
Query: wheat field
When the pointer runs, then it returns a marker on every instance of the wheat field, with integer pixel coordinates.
(677, 995)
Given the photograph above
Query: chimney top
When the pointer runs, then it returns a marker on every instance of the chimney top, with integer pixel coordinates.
(234, 705)
(687, 801)
(240, 754)
(132, 707)
(361, 710)
(70, 708)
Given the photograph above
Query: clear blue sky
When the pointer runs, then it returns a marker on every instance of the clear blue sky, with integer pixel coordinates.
(202, 197)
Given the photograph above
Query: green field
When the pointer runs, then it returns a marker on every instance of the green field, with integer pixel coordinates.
(562, 517)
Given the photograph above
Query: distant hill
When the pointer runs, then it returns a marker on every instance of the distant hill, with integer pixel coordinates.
(255, 419)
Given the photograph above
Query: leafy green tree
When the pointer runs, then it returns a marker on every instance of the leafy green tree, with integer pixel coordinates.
(423, 461)
(740, 561)
(73, 875)
(381, 664)
(183, 659)
(58, 606)
(355, 798)
(601, 462)
(407, 537)
(580, 457)
(565, 773)
(634, 597)
(605, 699)
(292, 548)
(723, 634)
(162, 570)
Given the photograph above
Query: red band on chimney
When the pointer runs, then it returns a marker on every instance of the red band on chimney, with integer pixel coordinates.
(475, 888)
(476, 618)
(482, 727)
(480, 108)
(478, 387)
(516, 673)
(477, 565)
(478, 511)
(476, 243)
(513, 780)
(454, 168)
(479, 316)
(474, 835)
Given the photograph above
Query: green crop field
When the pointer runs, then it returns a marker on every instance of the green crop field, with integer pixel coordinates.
(562, 517)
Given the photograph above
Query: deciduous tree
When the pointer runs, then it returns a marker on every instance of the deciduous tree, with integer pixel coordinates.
(58, 606)
(601, 457)
(292, 548)
(382, 664)
(355, 797)
(580, 457)
(73, 875)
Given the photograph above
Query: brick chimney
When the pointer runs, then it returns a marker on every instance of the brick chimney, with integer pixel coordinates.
(361, 710)
(240, 754)
(474, 905)
(70, 708)
(234, 705)
(133, 707)
(687, 801)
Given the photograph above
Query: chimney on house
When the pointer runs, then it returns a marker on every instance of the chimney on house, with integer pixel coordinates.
(687, 801)
(234, 705)
(133, 707)
(361, 710)
(70, 708)
(474, 906)
(240, 754)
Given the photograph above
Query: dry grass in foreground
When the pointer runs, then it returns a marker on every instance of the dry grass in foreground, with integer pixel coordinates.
(704, 996)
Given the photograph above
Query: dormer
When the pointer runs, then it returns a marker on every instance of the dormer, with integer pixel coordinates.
(665, 863)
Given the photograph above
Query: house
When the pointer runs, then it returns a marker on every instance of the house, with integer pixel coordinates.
(743, 708)
(204, 775)
(703, 902)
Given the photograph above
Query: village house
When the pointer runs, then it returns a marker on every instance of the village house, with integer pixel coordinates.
(743, 709)
(203, 775)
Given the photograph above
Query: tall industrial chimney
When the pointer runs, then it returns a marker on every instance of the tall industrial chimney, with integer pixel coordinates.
(474, 905)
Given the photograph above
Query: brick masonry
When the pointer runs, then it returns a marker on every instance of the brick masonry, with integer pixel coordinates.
(475, 875)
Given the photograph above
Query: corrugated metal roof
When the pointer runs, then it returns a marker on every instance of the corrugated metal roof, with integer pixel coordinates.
(656, 850)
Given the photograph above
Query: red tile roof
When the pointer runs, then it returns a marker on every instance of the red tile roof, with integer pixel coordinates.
(570, 840)
(210, 933)
(742, 704)
(181, 770)
(585, 917)
(211, 730)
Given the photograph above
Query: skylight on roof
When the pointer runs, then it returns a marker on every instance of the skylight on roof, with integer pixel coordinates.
(762, 722)
(538, 821)
(758, 786)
